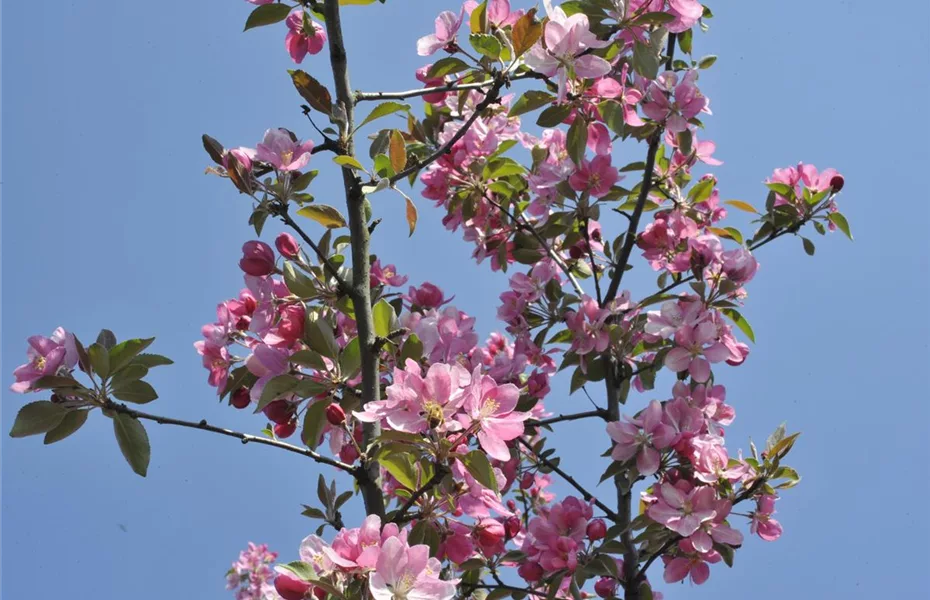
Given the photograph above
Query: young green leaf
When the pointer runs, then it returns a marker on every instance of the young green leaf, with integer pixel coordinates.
(72, 421)
(384, 109)
(323, 214)
(383, 314)
(133, 442)
(37, 417)
(137, 392)
(267, 14)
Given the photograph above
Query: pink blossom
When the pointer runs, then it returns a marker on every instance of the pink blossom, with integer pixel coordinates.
(697, 347)
(257, 258)
(588, 327)
(431, 401)
(435, 97)
(739, 265)
(671, 316)
(409, 572)
(642, 437)
(244, 156)
(426, 296)
(763, 524)
(686, 13)
(445, 333)
(681, 510)
(280, 149)
(562, 49)
(692, 563)
(447, 24)
(46, 356)
(596, 176)
(251, 575)
(498, 12)
(216, 360)
(716, 530)
(490, 408)
(674, 103)
(386, 275)
(305, 36)
(287, 245)
(360, 548)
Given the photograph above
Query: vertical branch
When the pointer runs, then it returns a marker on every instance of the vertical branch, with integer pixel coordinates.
(360, 288)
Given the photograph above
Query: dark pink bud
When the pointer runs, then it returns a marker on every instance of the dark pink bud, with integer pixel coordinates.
(490, 536)
(512, 526)
(287, 245)
(285, 430)
(530, 571)
(605, 587)
(257, 258)
(348, 454)
(335, 414)
(279, 411)
(291, 325)
(249, 303)
(291, 588)
(426, 296)
(511, 505)
(240, 398)
(837, 182)
(527, 481)
(596, 529)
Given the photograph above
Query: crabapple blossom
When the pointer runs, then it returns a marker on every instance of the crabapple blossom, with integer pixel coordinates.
(447, 25)
(305, 36)
(47, 356)
(642, 437)
(282, 151)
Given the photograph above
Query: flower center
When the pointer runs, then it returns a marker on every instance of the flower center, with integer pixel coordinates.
(40, 363)
(286, 156)
(489, 407)
(433, 413)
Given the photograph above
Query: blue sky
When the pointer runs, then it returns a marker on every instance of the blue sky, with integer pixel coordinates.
(109, 221)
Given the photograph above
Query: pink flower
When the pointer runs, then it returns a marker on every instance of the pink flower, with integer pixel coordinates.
(281, 150)
(257, 258)
(739, 265)
(435, 97)
(360, 548)
(386, 275)
(46, 356)
(426, 296)
(716, 530)
(596, 176)
(686, 13)
(588, 327)
(251, 575)
(672, 316)
(244, 156)
(305, 36)
(428, 402)
(683, 512)
(216, 360)
(641, 437)
(404, 571)
(287, 245)
(490, 408)
(498, 12)
(447, 24)
(698, 347)
(692, 563)
(763, 524)
(673, 103)
(566, 40)
(490, 535)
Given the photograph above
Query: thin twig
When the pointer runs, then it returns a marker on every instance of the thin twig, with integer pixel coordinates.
(324, 260)
(588, 496)
(401, 516)
(244, 437)
(571, 417)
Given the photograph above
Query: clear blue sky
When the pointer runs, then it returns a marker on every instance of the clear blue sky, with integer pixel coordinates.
(108, 220)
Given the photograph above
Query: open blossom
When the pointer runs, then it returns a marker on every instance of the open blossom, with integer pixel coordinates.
(490, 408)
(408, 573)
(498, 12)
(690, 563)
(555, 537)
(589, 327)
(641, 437)
(686, 13)
(216, 359)
(763, 524)
(716, 530)
(386, 275)
(282, 151)
(562, 49)
(673, 103)
(305, 36)
(251, 575)
(447, 25)
(697, 347)
(673, 315)
(682, 510)
(445, 333)
(428, 402)
(596, 176)
(359, 548)
(46, 356)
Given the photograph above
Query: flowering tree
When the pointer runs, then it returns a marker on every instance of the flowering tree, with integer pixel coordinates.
(444, 439)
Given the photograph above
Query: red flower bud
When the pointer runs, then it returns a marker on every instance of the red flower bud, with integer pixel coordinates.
(291, 588)
(240, 398)
(605, 587)
(335, 415)
(257, 258)
(530, 571)
(512, 526)
(279, 411)
(837, 182)
(285, 430)
(287, 245)
(527, 481)
(348, 454)
(511, 505)
(596, 530)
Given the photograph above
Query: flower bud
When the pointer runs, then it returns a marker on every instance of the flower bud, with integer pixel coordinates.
(490, 536)
(605, 587)
(596, 530)
(291, 326)
(512, 527)
(837, 182)
(257, 258)
(530, 571)
(240, 398)
(279, 411)
(527, 481)
(348, 454)
(285, 430)
(287, 245)
(511, 504)
(739, 265)
(335, 414)
(291, 588)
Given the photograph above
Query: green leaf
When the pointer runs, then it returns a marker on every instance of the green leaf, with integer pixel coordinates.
(37, 417)
(384, 109)
(152, 360)
(350, 361)
(308, 358)
(137, 392)
(323, 214)
(267, 14)
(399, 462)
(744, 206)
(130, 372)
(276, 387)
(303, 182)
(554, 115)
(707, 62)
(351, 162)
(99, 360)
(106, 338)
(808, 246)
(301, 569)
(424, 532)
(72, 421)
(446, 66)
(413, 348)
(133, 442)
(486, 44)
(841, 223)
(298, 283)
(740, 322)
(645, 60)
(122, 353)
(320, 337)
(782, 189)
(383, 315)
(314, 421)
(530, 101)
(480, 468)
(577, 140)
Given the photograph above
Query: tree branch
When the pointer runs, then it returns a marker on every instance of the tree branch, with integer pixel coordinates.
(369, 476)
(571, 417)
(571, 481)
(244, 437)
